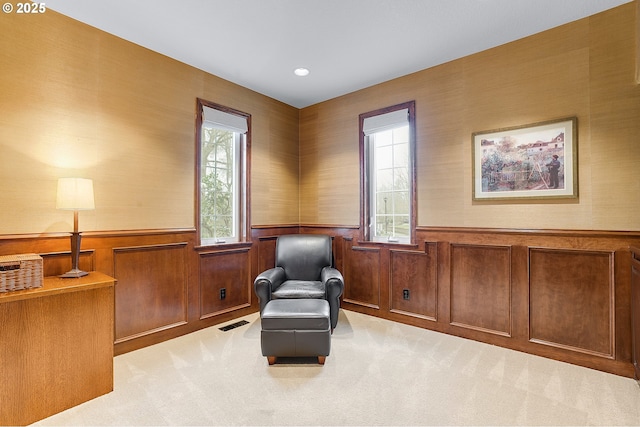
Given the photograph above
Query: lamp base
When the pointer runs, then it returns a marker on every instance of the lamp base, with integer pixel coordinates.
(74, 273)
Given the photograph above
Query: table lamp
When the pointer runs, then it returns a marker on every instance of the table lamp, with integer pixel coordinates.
(75, 194)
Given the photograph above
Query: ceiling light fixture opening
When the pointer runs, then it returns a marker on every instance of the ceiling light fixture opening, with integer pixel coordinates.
(301, 72)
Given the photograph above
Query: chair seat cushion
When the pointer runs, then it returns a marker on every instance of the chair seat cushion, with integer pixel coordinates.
(295, 289)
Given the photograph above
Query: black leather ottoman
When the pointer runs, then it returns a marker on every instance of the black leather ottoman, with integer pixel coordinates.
(295, 328)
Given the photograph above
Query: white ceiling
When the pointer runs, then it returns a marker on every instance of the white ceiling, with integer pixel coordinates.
(347, 44)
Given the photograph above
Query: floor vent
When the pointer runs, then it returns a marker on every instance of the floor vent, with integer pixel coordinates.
(233, 325)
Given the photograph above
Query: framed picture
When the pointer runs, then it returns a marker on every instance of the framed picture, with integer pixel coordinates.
(535, 161)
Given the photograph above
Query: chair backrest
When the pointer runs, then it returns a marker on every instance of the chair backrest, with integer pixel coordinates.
(303, 256)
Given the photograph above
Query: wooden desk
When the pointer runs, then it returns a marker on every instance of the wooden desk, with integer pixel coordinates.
(56, 346)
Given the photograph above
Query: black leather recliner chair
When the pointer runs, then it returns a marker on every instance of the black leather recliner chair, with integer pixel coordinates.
(304, 269)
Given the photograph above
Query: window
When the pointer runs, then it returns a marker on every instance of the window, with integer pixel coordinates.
(387, 152)
(222, 136)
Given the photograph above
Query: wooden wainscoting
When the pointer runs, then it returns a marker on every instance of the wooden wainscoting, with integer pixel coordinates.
(413, 282)
(225, 281)
(480, 290)
(164, 284)
(362, 270)
(635, 311)
(55, 262)
(266, 249)
(572, 300)
(152, 290)
(560, 294)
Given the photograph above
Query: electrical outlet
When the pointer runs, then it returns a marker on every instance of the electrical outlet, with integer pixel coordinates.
(223, 293)
(405, 294)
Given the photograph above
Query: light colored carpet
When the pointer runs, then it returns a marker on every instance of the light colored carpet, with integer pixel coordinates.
(378, 373)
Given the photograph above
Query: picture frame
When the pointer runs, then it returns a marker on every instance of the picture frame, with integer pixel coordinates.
(533, 161)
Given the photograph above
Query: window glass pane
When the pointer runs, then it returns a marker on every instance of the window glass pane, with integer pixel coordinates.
(402, 226)
(401, 203)
(390, 200)
(401, 178)
(384, 156)
(384, 226)
(218, 184)
(384, 180)
(384, 203)
(401, 154)
(401, 135)
(383, 138)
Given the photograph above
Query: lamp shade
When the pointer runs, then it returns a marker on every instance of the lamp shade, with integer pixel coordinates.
(75, 194)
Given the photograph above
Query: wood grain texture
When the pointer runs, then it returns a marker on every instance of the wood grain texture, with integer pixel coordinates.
(229, 270)
(415, 272)
(377, 273)
(572, 300)
(481, 288)
(167, 269)
(635, 311)
(60, 262)
(152, 289)
(362, 276)
(266, 253)
(56, 347)
(486, 290)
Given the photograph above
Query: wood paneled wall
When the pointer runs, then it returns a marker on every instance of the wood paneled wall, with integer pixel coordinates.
(228, 270)
(635, 310)
(421, 270)
(152, 292)
(559, 294)
(165, 285)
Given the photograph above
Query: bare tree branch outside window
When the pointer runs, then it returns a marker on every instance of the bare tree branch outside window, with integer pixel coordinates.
(217, 189)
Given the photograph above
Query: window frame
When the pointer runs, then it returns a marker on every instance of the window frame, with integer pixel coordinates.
(365, 174)
(243, 198)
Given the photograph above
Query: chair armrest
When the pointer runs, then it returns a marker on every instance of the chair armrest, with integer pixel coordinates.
(334, 282)
(267, 282)
(334, 286)
(274, 276)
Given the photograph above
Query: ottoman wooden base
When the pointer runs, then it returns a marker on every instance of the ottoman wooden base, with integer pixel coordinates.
(272, 360)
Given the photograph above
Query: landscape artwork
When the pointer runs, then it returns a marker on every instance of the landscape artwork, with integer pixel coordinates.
(536, 161)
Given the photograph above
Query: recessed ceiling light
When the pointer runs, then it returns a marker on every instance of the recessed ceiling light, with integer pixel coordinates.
(301, 72)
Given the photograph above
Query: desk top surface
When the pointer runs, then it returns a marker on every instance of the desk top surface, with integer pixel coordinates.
(57, 285)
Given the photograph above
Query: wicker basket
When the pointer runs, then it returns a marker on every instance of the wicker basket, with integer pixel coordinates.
(20, 272)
